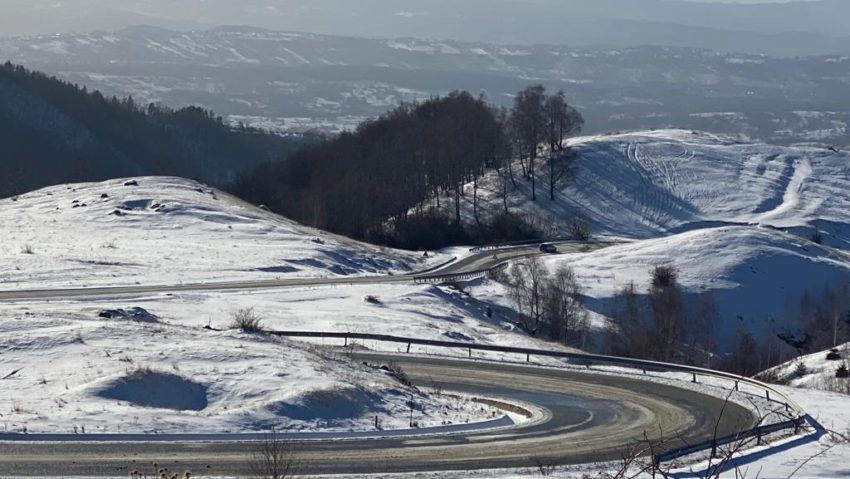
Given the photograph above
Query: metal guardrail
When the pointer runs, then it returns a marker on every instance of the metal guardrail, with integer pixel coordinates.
(771, 394)
(453, 277)
(515, 244)
(436, 268)
(757, 432)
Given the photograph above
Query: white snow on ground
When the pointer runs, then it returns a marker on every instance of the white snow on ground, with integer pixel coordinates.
(649, 184)
(824, 456)
(814, 371)
(168, 231)
(69, 356)
(734, 218)
(159, 371)
(709, 206)
(757, 275)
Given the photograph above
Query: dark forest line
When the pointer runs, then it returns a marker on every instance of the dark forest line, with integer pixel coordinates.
(56, 132)
(372, 183)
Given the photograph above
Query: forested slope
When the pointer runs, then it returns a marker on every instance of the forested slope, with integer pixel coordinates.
(55, 132)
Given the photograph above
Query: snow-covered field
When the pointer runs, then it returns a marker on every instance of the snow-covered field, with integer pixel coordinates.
(649, 184)
(168, 231)
(736, 219)
(153, 367)
(756, 275)
(815, 371)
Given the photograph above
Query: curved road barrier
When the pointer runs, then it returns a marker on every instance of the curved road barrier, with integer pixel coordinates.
(798, 415)
(591, 417)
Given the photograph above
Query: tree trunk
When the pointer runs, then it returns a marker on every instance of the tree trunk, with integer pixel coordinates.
(551, 178)
(531, 174)
(505, 193)
(475, 200)
(457, 203)
(511, 173)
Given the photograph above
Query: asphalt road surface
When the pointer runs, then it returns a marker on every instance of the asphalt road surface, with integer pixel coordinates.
(474, 263)
(591, 418)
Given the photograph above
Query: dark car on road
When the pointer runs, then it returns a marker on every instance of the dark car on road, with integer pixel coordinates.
(548, 248)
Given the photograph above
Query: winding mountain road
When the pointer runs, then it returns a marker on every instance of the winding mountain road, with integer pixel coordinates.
(590, 417)
(476, 262)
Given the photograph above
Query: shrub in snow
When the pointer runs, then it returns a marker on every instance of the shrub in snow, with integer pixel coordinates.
(833, 355)
(133, 314)
(247, 320)
(664, 276)
(372, 299)
(578, 228)
(27, 249)
(843, 371)
(800, 368)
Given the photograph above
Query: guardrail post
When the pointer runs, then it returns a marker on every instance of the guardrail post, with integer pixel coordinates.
(767, 394)
(736, 386)
(528, 357)
(346, 342)
(695, 377)
(470, 352)
(408, 348)
(714, 449)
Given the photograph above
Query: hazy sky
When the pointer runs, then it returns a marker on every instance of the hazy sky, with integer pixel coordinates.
(469, 20)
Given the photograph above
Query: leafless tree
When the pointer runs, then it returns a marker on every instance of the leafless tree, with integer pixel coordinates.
(528, 119)
(563, 308)
(527, 283)
(629, 335)
(562, 121)
(699, 331)
(276, 457)
(665, 299)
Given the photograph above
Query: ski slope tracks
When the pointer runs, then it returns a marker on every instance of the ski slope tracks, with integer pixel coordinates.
(658, 183)
(736, 219)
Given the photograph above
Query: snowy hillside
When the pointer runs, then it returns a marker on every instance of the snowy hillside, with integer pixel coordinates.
(72, 371)
(174, 362)
(156, 230)
(814, 371)
(734, 218)
(650, 184)
(757, 275)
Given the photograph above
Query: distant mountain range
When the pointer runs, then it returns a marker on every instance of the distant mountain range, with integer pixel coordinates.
(792, 28)
(297, 81)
